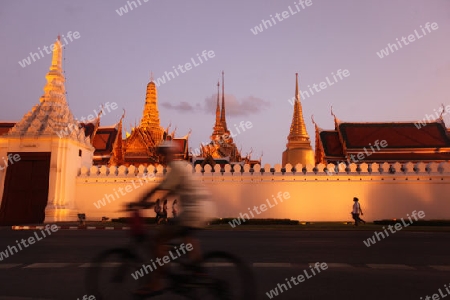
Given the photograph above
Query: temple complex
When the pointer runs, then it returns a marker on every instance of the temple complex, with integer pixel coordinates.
(221, 149)
(370, 142)
(138, 147)
(53, 167)
(298, 149)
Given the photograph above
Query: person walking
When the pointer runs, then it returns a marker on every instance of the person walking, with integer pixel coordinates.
(157, 209)
(357, 210)
(163, 215)
(175, 208)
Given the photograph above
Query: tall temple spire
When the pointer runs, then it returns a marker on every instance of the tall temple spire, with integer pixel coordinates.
(298, 148)
(298, 129)
(222, 114)
(52, 116)
(150, 116)
(218, 128)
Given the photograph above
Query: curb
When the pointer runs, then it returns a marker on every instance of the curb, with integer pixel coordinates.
(72, 227)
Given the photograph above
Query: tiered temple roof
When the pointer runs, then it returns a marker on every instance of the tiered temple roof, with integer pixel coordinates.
(403, 142)
(139, 147)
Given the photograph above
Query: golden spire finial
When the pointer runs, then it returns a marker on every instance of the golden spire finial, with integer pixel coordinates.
(222, 113)
(442, 112)
(298, 129)
(336, 120)
(151, 76)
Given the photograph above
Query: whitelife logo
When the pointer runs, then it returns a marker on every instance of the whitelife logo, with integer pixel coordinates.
(31, 240)
(187, 66)
(411, 38)
(263, 207)
(398, 227)
(27, 61)
(280, 17)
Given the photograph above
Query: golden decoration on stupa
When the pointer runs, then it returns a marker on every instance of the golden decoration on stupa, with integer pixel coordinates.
(298, 148)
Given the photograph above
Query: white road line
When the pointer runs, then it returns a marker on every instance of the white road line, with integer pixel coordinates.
(20, 298)
(107, 265)
(226, 264)
(272, 265)
(441, 268)
(219, 264)
(390, 266)
(339, 265)
(9, 266)
(47, 265)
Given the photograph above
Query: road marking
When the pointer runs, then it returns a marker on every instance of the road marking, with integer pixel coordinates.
(390, 266)
(20, 298)
(9, 266)
(106, 265)
(47, 265)
(219, 264)
(272, 265)
(441, 268)
(339, 265)
(226, 264)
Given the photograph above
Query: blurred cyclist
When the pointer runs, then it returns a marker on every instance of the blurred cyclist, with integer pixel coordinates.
(195, 209)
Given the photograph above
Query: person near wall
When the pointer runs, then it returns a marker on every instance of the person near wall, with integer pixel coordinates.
(175, 208)
(157, 209)
(163, 214)
(357, 211)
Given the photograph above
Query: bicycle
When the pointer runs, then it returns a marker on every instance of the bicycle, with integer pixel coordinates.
(113, 272)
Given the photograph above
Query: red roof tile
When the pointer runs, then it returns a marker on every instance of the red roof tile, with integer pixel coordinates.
(397, 135)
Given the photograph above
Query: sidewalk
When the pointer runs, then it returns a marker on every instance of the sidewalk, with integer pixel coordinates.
(302, 226)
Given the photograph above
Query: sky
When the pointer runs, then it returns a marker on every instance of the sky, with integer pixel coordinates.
(112, 58)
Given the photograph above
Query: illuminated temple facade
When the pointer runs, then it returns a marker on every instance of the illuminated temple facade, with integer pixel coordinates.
(66, 168)
(139, 146)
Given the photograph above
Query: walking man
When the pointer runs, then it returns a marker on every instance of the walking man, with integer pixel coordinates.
(357, 211)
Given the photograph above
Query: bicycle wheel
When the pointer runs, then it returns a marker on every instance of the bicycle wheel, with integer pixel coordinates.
(115, 274)
(225, 277)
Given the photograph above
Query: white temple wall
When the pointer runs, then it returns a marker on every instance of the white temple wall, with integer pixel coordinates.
(312, 197)
(65, 163)
(67, 157)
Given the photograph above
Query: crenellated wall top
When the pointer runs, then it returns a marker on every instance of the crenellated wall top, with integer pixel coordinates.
(364, 169)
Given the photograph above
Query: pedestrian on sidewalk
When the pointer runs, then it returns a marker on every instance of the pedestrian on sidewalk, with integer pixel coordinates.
(357, 211)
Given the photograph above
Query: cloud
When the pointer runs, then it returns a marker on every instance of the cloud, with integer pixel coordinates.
(233, 107)
(183, 106)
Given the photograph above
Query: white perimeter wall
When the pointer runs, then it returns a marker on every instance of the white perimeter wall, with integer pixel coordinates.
(313, 196)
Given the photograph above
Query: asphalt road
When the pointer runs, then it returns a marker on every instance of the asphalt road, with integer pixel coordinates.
(405, 265)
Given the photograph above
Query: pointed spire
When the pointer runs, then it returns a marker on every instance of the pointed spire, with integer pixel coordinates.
(336, 120)
(55, 78)
(150, 115)
(298, 148)
(52, 116)
(218, 128)
(222, 113)
(298, 129)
